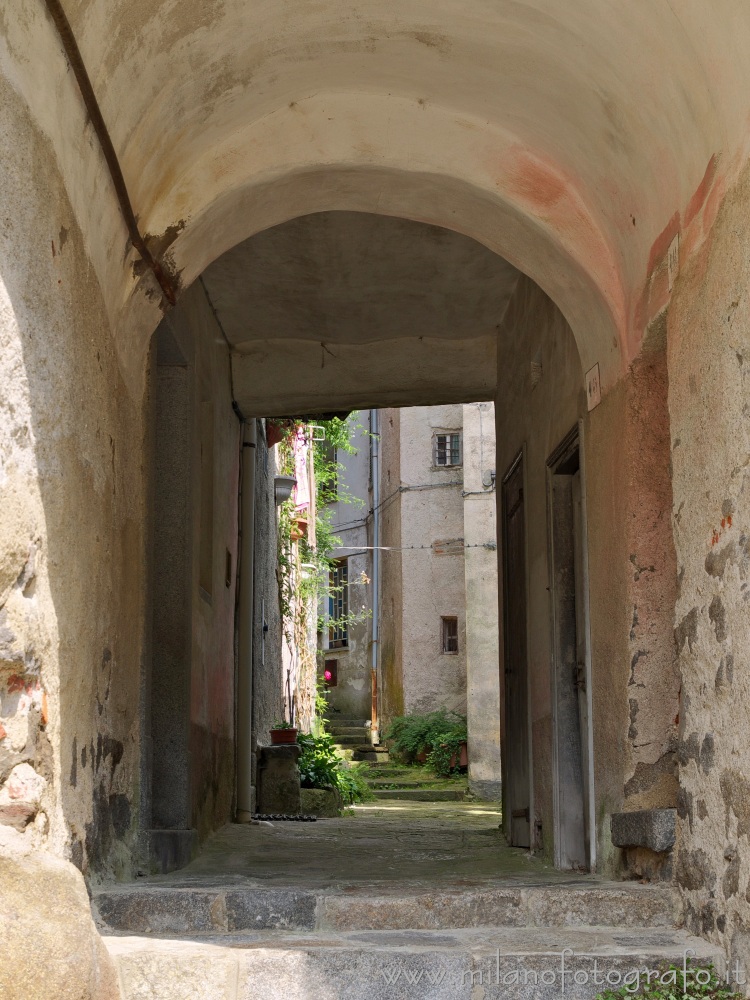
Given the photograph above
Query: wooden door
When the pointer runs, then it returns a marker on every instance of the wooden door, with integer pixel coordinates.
(517, 801)
(581, 652)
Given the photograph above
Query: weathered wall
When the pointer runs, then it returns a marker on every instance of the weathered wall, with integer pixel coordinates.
(431, 582)
(194, 565)
(709, 389)
(71, 548)
(71, 560)
(630, 551)
(537, 415)
(633, 586)
(383, 95)
(480, 574)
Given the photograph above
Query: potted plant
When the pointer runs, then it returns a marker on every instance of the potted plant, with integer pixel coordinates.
(277, 428)
(298, 528)
(282, 488)
(283, 732)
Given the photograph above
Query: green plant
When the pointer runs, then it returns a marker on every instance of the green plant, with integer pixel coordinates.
(282, 724)
(319, 761)
(408, 736)
(320, 766)
(693, 981)
(445, 755)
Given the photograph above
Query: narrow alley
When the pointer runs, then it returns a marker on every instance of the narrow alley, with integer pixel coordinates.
(394, 896)
(374, 498)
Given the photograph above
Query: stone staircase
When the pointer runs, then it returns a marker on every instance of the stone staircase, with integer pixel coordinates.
(354, 739)
(236, 943)
(389, 780)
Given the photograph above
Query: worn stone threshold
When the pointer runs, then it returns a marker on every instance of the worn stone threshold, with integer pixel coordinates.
(511, 941)
(512, 963)
(185, 910)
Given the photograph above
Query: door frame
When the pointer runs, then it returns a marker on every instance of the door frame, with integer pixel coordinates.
(520, 458)
(572, 442)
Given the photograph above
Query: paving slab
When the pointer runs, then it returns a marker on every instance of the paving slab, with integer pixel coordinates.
(514, 963)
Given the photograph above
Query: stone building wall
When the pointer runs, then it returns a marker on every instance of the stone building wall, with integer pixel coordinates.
(709, 406)
(72, 527)
(628, 497)
(480, 575)
(72, 532)
(204, 578)
(423, 573)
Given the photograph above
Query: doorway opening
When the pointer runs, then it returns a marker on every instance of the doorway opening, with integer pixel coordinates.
(516, 744)
(572, 749)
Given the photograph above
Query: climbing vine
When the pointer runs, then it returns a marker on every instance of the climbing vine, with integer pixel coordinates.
(304, 569)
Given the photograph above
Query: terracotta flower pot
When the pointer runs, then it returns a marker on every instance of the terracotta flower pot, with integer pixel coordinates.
(463, 757)
(299, 528)
(283, 736)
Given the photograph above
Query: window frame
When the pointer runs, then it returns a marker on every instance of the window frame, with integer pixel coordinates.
(449, 449)
(338, 604)
(446, 637)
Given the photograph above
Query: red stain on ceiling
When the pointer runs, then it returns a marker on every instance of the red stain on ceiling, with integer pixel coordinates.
(661, 244)
(538, 183)
(701, 192)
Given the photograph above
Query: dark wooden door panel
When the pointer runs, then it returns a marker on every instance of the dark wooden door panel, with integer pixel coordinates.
(516, 679)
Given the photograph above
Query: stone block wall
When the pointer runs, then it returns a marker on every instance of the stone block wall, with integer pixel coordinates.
(72, 528)
(709, 405)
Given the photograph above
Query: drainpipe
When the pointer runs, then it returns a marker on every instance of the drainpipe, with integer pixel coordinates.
(245, 804)
(375, 466)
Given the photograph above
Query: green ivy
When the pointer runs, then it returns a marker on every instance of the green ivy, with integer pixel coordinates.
(675, 983)
(320, 766)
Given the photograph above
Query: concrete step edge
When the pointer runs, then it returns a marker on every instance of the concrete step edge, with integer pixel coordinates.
(190, 910)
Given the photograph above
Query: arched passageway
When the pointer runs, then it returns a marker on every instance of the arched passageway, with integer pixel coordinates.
(601, 152)
(337, 311)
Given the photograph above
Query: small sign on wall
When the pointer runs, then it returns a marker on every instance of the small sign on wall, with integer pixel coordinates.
(593, 387)
(673, 261)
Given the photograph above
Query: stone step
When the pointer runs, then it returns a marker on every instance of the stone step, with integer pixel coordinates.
(343, 720)
(395, 783)
(358, 731)
(164, 910)
(378, 770)
(370, 754)
(352, 741)
(455, 965)
(421, 794)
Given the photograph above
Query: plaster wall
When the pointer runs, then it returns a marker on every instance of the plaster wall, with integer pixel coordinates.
(431, 582)
(630, 554)
(485, 124)
(352, 696)
(194, 569)
(535, 417)
(632, 593)
(709, 368)
(213, 534)
(480, 574)
(72, 531)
